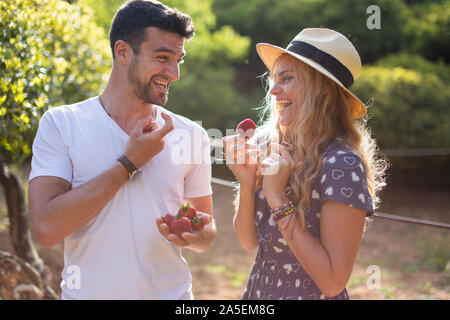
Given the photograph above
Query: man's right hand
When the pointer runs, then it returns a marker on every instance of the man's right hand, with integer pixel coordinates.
(147, 140)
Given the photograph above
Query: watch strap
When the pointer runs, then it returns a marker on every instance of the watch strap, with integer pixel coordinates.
(131, 168)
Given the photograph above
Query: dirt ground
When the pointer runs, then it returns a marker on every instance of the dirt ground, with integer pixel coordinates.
(413, 260)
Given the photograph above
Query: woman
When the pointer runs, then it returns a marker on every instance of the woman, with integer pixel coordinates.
(304, 203)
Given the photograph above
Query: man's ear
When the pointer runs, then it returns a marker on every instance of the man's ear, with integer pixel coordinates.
(122, 52)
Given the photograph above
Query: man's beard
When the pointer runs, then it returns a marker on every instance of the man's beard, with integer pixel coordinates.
(143, 91)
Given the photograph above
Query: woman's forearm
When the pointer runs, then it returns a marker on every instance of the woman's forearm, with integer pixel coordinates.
(244, 219)
(309, 251)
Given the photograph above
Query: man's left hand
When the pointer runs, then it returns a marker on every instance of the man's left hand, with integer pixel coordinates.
(187, 238)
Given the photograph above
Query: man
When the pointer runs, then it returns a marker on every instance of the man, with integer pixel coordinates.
(103, 170)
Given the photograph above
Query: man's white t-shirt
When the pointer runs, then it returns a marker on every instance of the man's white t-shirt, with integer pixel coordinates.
(120, 254)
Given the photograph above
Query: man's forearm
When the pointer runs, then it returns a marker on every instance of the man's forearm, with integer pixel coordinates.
(69, 211)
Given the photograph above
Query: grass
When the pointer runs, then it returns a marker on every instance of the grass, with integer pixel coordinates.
(426, 287)
(435, 257)
(356, 281)
(388, 292)
(235, 278)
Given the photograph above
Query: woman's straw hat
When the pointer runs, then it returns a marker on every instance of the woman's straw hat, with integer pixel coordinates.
(325, 50)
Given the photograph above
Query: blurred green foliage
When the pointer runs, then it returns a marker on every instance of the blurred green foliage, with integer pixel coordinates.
(418, 63)
(415, 27)
(411, 98)
(277, 22)
(429, 25)
(51, 53)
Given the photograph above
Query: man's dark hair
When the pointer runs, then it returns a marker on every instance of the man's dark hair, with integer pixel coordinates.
(133, 17)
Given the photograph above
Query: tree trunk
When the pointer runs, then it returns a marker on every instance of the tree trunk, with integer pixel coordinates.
(19, 229)
(18, 279)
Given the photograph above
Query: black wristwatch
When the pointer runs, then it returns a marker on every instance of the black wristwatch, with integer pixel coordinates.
(131, 168)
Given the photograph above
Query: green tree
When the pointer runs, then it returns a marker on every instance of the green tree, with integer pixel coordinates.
(411, 98)
(51, 52)
(278, 22)
(429, 26)
(103, 10)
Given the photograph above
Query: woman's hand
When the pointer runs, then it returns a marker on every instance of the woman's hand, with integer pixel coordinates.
(276, 169)
(241, 159)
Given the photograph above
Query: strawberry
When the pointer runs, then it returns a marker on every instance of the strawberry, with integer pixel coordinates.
(187, 211)
(246, 128)
(197, 223)
(168, 218)
(178, 226)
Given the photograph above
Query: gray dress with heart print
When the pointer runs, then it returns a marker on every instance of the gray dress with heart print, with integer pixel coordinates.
(276, 273)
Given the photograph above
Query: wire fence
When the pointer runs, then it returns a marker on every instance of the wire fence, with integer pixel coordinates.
(235, 185)
(415, 152)
(217, 143)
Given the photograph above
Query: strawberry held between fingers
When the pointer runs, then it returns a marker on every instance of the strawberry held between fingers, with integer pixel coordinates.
(246, 128)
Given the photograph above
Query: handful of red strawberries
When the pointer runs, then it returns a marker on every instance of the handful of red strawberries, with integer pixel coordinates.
(185, 220)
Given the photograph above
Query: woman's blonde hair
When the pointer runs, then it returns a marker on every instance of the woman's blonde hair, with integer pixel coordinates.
(322, 114)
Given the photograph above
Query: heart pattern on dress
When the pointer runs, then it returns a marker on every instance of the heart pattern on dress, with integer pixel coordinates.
(261, 195)
(347, 192)
(362, 198)
(337, 174)
(277, 250)
(272, 221)
(259, 214)
(315, 195)
(350, 160)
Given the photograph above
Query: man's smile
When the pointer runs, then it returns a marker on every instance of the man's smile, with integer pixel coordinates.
(162, 84)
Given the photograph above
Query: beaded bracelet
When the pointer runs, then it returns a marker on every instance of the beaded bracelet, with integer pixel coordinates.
(284, 210)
